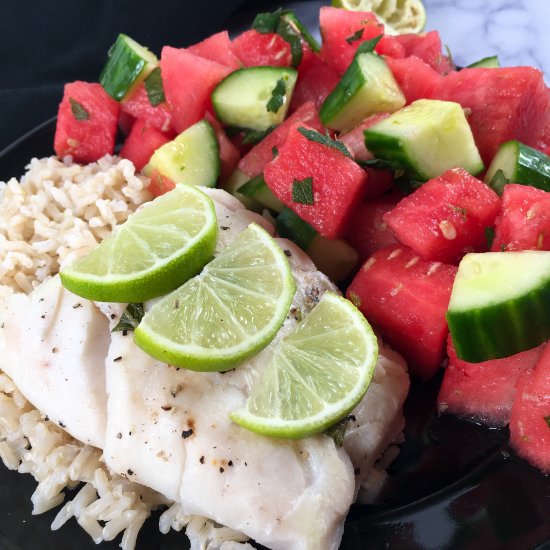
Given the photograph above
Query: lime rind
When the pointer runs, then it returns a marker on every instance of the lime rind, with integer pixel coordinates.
(228, 313)
(398, 16)
(317, 375)
(159, 247)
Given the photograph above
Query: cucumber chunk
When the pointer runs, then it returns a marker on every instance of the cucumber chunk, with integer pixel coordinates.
(518, 163)
(334, 257)
(127, 66)
(237, 179)
(192, 157)
(257, 189)
(255, 97)
(490, 62)
(367, 87)
(500, 304)
(427, 138)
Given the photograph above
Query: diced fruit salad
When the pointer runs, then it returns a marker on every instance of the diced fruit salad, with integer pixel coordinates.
(422, 187)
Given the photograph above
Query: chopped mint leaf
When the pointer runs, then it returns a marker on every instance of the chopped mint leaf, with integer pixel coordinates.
(301, 29)
(267, 22)
(275, 152)
(302, 191)
(277, 96)
(293, 38)
(490, 236)
(547, 420)
(78, 110)
(250, 137)
(154, 88)
(338, 431)
(314, 135)
(355, 36)
(379, 164)
(368, 45)
(131, 318)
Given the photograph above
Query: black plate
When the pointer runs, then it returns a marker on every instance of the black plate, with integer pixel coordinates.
(454, 486)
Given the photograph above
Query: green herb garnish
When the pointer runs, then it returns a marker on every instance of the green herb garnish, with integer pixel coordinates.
(250, 137)
(368, 45)
(154, 88)
(78, 110)
(314, 135)
(302, 191)
(380, 164)
(275, 152)
(338, 431)
(277, 96)
(355, 36)
(130, 319)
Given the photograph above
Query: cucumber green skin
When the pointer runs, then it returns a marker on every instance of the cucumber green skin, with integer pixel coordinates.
(290, 226)
(338, 104)
(257, 189)
(490, 62)
(392, 149)
(531, 167)
(302, 29)
(503, 329)
(122, 70)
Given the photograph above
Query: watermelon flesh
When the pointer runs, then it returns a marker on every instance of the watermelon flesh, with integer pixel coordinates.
(530, 419)
(217, 48)
(188, 82)
(483, 392)
(505, 104)
(524, 220)
(229, 154)
(416, 78)
(426, 46)
(367, 231)
(86, 126)
(337, 182)
(254, 49)
(342, 32)
(406, 298)
(254, 162)
(156, 116)
(141, 143)
(355, 138)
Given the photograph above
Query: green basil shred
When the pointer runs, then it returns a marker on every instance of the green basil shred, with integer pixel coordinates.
(314, 135)
(302, 191)
(277, 96)
(79, 112)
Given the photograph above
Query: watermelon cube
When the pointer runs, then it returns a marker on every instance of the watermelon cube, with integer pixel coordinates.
(86, 122)
(141, 143)
(524, 220)
(254, 162)
(342, 32)
(254, 49)
(485, 391)
(416, 78)
(367, 231)
(406, 298)
(504, 104)
(446, 217)
(188, 82)
(426, 46)
(157, 116)
(315, 82)
(217, 48)
(530, 419)
(318, 182)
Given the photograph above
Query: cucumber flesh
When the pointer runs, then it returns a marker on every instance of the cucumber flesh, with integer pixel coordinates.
(237, 179)
(500, 304)
(490, 62)
(367, 87)
(334, 257)
(242, 99)
(192, 157)
(128, 64)
(518, 163)
(427, 138)
(257, 189)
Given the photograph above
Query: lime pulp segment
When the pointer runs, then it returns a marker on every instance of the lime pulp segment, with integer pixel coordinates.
(156, 250)
(318, 373)
(229, 312)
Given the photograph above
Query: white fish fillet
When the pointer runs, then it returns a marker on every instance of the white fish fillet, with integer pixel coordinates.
(169, 429)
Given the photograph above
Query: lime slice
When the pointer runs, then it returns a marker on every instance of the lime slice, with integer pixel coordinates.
(229, 312)
(398, 16)
(156, 250)
(318, 373)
